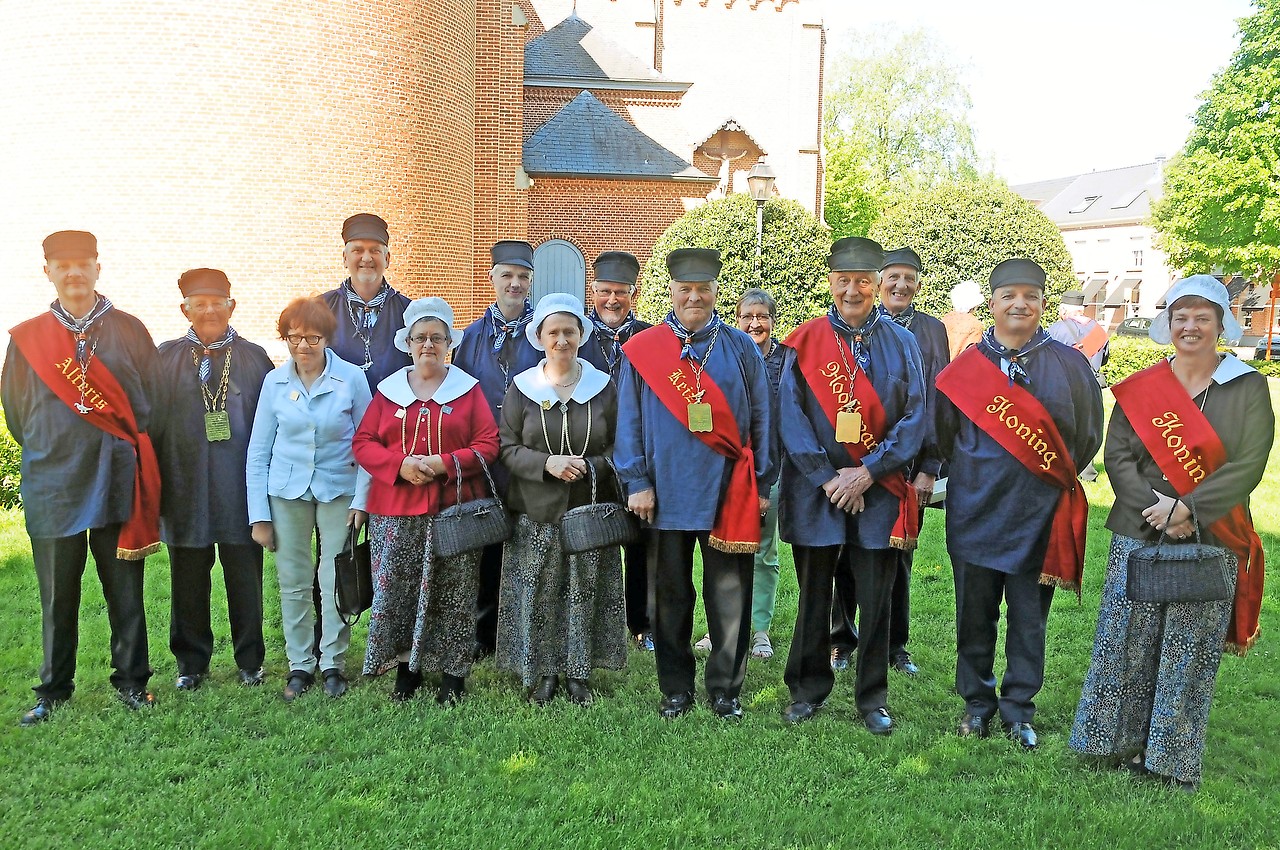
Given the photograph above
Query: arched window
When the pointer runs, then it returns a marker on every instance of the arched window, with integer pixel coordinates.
(558, 266)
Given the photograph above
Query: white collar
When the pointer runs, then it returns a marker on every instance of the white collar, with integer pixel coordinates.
(535, 386)
(396, 387)
(1230, 368)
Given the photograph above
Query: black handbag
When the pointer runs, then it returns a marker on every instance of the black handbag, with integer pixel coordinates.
(1179, 572)
(353, 578)
(598, 524)
(468, 526)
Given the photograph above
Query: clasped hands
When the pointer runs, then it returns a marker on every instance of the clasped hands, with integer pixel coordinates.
(421, 469)
(566, 467)
(846, 490)
(1178, 524)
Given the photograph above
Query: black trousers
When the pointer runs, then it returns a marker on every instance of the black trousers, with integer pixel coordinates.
(844, 631)
(979, 592)
(487, 597)
(60, 563)
(808, 674)
(726, 596)
(637, 587)
(190, 626)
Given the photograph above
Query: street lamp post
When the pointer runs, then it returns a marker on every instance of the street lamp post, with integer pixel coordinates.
(760, 182)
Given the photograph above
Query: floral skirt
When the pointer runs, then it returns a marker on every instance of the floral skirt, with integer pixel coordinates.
(1151, 679)
(423, 607)
(559, 614)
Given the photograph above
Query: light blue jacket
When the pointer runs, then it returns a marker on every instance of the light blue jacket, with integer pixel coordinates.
(302, 438)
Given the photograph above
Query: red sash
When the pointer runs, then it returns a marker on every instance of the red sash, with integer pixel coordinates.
(1093, 341)
(1187, 449)
(51, 351)
(1017, 420)
(815, 343)
(655, 354)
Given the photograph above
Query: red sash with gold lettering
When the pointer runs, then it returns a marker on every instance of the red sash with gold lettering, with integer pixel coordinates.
(655, 354)
(1184, 445)
(1018, 422)
(50, 350)
(815, 343)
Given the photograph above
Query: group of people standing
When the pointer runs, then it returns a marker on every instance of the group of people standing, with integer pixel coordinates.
(714, 434)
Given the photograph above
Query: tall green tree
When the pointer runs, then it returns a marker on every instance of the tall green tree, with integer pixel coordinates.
(1221, 204)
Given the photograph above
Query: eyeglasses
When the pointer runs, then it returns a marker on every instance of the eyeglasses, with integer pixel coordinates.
(436, 340)
(756, 317)
(296, 339)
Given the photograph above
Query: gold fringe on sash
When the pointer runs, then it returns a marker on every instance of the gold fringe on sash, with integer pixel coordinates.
(138, 554)
(906, 544)
(1064, 584)
(733, 547)
(1238, 650)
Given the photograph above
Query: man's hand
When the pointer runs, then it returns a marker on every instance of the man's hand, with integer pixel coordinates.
(764, 505)
(643, 504)
(924, 487)
(848, 486)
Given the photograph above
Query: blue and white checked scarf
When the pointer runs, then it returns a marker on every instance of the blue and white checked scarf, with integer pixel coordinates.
(81, 327)
(904, 318)
(860, 337)
(611, 338)
(687, 337)
(1015, 358)
(206, 362)
(502, 329)
(368, 310)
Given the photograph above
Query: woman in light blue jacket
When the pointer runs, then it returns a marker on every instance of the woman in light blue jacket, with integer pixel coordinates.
(302, 475)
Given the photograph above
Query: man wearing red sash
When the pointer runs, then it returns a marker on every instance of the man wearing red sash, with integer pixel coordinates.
(854, 408)
(76, 389)
(693, 452)
(1018, 414)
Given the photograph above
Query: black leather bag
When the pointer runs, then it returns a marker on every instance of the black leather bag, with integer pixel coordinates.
(353, 579)
(598, 524)
(1179, 572)
(468, 526)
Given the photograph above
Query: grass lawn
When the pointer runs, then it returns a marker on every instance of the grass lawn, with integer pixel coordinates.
(235, 767)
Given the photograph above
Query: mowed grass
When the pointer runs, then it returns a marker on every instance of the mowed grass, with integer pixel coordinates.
(235, 767)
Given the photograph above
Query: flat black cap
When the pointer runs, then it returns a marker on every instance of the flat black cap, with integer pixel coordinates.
(204, 282)
(1073, 297)
(1017, 270)
(70, 245)
(694, 265)
(853, 253)
(365, 226)
(512, 252)
(901, 257)
(617, 267)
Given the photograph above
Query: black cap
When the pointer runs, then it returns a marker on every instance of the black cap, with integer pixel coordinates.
(70, 245)
(853, 253)
(512, 252)
(617, 267)
(694, 265)
(1017, 270)
(1073, 297)
(204, 282)
(901, 257)
(365, 226)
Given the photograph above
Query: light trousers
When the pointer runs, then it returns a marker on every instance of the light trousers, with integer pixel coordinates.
(293, 520)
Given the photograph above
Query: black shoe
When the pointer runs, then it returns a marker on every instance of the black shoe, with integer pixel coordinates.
(451, 690)
(799, 712)
(579, 691)
(727, 708)
(1023, 734)
(189, 681)
(840, 656)
(674, 705)
(299, 683)
(252, 678)
(901, 661)
(136, 698)
(407, 683)
(971, 725)
(40, 712)
(878, 722)
(545, 691)
(335, 684)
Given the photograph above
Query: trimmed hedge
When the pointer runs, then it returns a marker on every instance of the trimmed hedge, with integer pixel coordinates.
(10, 468)
(1131, 354)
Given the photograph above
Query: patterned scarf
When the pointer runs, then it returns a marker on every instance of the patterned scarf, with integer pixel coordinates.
(611, 350)
(1015, 358)
(80, 328)
(688, 337)
(904, 318)
(861, 337)
(368, 310)
(206, 362)
(502, 329)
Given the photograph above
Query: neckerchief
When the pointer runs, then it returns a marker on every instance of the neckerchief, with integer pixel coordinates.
(859, 338)
(687, 337)
(610, 339)
(368, 310)
(206, 363)
(80, 327)
(904, 318)
(502, 329)
(1015, 358)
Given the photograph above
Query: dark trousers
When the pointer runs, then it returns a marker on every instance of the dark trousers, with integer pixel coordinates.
(637, 587)
(190, 627)
(60, 563)
(979, 592)
(808, 674)
(487, 597)
(844, 632)
(726, 596)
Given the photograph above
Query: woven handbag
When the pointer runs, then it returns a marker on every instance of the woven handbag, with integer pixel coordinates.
(353, 580)
(467, 526)
(598, 524)
(1179, 572)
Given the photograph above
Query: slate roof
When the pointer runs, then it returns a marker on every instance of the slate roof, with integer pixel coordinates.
(588, 139)
(1116, 196)
(573, 53)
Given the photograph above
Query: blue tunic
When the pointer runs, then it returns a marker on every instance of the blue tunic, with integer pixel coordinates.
(382, 337)
(655, 450)
(935, 355)
(998, 513)
(477, 358)
(76, 476)
(593, 351)
(202, 500)
(811, 454)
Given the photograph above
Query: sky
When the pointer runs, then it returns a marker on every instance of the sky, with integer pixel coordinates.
(1067, 88)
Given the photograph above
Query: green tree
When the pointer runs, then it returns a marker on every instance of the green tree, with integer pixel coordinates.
(1221, 203)
(793, 259)
(963, 229)
(896, 122)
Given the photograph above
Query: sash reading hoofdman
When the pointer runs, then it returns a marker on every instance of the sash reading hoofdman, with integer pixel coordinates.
(1019, 423)
(49, 349)
(655, 354)
(1184, 445)
(820, 361)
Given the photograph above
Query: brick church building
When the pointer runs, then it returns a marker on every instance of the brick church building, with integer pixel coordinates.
(190, 134)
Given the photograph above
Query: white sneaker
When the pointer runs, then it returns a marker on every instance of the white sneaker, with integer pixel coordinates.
(704, 645)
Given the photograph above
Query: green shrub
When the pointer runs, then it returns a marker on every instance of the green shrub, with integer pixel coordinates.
(1270, 368)
(1131, 354)
(10, 468)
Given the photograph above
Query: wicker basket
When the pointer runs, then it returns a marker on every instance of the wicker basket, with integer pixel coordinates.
(1179, 572)
(598, 524)
(467, 526)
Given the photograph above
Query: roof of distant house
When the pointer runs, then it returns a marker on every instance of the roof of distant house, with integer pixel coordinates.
(1115, 196)
(574, 54)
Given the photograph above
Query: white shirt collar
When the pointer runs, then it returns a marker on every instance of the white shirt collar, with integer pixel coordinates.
(533, 383)
(1230, 368)
(396, 387)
